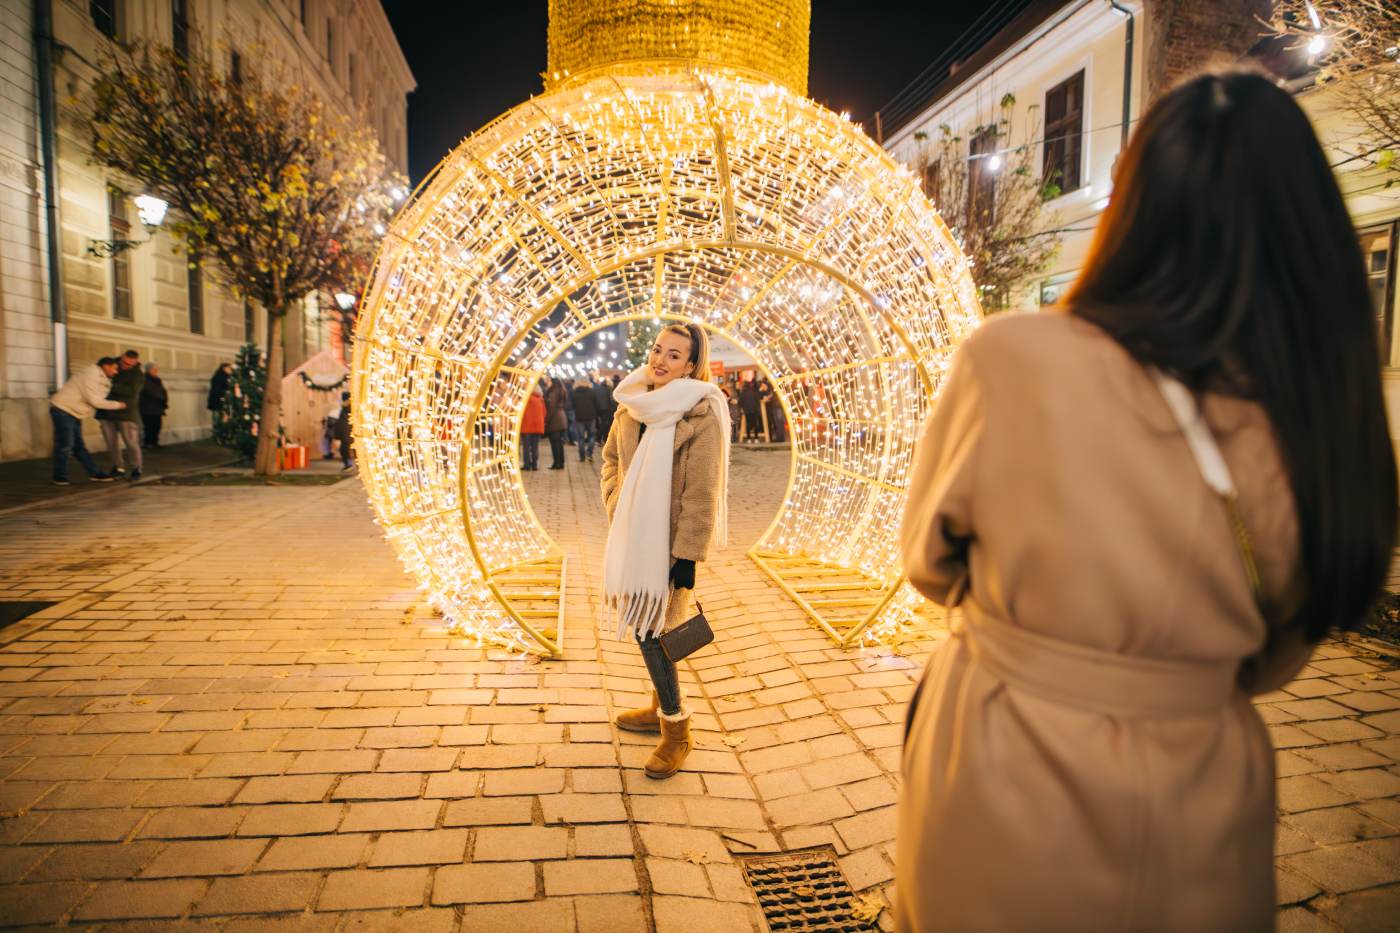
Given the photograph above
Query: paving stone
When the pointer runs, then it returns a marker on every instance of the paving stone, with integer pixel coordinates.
(292, 819)
(603, 840)
(258, 894)
(410, 920)
(544, 915)
(1307, 792)
(492, 811)
(520, 843)
(92, 862)
(480, 884)
(338, 851)
(86, 826)
(285, 789)
(533, 781)
(583, 808)
(418, 759)
(1370, 911)
(120, 900)
(212, 857)
(1340, 868)
(590, 876)
(693, 915)
(610, 913)
(428, 847)
(361, 890)
(391, 815)
(672, 876)
(199, 792)
(192, 823)
(22, 904)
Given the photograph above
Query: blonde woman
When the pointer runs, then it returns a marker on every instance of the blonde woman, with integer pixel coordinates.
(665, 471)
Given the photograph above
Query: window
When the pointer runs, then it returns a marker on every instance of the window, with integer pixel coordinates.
(352, 86)
(180, 27)
(1378, 251)
(982, 176)
(1054, 288)
(235, 67)
(301, 11)
(330, 41)
(104, 15)
(194, 281)
(249, 330)
(1064, 134)
(931, 179)
(120, 229)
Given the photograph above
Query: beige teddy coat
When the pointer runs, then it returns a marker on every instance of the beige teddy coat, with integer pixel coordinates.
(695, 481)
(1082, 754)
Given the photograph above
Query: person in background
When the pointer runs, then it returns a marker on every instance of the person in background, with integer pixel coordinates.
(731, 395)
(585, 419)
(772, 409)
(154, 402)
(1149, 505)
(79, 397)
(531, 427)
(218, 388)
(121, 428)
(571, 432)
(556, 422)
(603, 396)
(344, 434)
(750, 403)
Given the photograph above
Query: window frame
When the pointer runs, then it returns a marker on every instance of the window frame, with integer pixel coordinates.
(1385, 320)
(981, 177)
(1059, 141)
(119, 229)
(194, 294)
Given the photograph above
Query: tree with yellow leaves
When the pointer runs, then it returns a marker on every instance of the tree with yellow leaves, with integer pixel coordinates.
(286, 195)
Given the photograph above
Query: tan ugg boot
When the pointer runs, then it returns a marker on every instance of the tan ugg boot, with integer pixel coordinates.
(641, 720)
(675, 746)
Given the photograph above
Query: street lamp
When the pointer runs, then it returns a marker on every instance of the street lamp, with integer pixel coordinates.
(151, 210)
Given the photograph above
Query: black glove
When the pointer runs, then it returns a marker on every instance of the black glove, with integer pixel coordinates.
(683, 574)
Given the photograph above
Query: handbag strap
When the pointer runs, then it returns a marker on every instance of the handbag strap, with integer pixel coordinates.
(1211, 462)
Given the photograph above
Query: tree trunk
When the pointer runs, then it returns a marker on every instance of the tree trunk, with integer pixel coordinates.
(268, 460)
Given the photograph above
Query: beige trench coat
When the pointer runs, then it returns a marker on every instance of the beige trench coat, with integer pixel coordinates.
(695, 473)
(1082, 754)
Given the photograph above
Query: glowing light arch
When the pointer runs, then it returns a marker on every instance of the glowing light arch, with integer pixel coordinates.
(656, 189)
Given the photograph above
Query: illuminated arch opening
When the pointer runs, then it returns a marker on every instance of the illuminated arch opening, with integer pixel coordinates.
(658, 191)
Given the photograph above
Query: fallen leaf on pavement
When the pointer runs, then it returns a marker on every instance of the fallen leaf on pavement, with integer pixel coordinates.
(868, 908)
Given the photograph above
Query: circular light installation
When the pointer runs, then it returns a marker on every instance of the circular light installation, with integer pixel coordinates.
(671, 190)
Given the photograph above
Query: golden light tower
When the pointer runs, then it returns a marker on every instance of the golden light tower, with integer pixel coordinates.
(673, 168)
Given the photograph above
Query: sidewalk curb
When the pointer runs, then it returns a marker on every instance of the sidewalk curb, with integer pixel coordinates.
(113, 488)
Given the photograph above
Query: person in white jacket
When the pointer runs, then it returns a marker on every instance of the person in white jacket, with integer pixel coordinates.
(80, 398)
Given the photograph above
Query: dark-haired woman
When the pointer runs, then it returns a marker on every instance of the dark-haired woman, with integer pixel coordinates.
(1147, 507)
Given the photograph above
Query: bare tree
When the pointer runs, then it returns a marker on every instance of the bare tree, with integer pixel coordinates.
(992, 197)
(286, 195)
(1356, 47)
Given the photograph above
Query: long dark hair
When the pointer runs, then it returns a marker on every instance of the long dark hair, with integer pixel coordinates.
(1226, 257)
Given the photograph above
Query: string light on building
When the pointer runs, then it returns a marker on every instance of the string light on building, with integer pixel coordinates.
(672, 170)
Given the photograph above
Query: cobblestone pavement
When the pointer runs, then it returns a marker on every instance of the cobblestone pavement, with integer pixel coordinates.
(227, 720)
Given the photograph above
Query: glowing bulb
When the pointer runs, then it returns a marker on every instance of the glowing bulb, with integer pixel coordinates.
(1316, 45)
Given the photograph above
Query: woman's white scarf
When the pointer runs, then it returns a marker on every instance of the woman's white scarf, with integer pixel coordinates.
(637, 560)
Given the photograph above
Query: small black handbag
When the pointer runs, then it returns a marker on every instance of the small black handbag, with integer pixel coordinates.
(688, 637)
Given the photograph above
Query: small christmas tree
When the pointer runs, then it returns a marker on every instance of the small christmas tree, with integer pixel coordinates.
(640, 336)
(238, 428)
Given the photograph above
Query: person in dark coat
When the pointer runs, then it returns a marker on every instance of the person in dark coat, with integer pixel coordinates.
(121, 428)
(344, 435)
(585, 419)
(556, 422)
(602, 395)
(749, 402)
(773, 408)
(531, 427)
(218, 388)
(154, 402)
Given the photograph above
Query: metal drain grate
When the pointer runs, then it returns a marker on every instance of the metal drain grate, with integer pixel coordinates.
(802, 891)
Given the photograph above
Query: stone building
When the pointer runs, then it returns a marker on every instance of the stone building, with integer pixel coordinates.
(1079, 63)
(147, 297)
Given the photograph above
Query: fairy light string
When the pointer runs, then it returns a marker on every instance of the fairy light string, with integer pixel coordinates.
(654, 188)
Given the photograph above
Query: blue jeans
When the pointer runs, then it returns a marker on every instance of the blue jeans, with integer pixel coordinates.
(68, 439)
(585, 439)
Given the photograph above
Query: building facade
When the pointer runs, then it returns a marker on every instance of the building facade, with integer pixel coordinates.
(1076, 63)
(148, 297)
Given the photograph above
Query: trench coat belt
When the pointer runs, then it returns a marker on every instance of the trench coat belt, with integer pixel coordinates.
(1091, 679)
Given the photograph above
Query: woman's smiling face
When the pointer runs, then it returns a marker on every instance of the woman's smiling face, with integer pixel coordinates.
(669, 358)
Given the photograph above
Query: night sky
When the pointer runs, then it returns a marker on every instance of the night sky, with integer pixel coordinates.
(474, 60)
